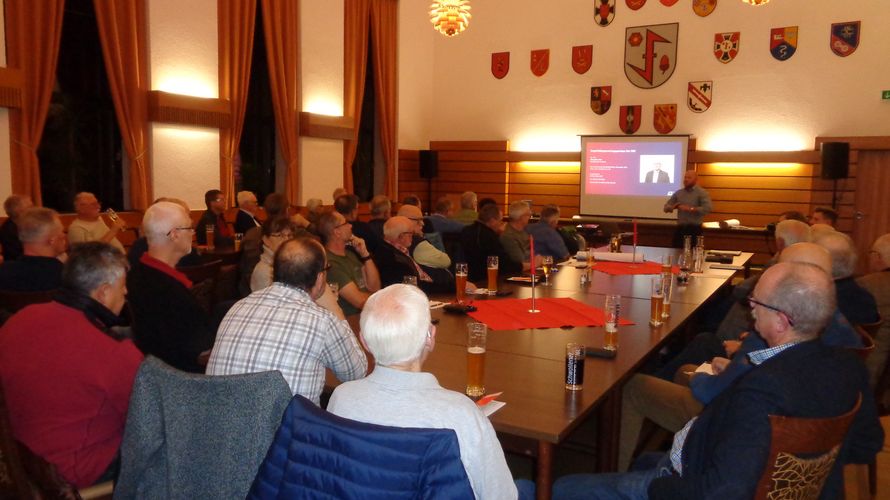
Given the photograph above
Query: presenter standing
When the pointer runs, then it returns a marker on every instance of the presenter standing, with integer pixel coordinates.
(692, 203)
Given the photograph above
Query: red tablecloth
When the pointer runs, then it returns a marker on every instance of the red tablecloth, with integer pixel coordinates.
(512, 314)
(609, 267)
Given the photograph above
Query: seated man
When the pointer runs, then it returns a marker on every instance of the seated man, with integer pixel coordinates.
(275, 232)
(66, 375)
(14, 205)
(396, 330)
(89, 226)
(347, 206)
(481, 239)
(168, 322)
(381, 210)
(421, 249)
(856, 304)
(43, 242)
(514, 238)
(140, 246)
(547, 238)
(878, 284)
(247, 210)
(467, 213)
(282, 327)
(352, 268)
(722, 452)
(394, 260)
(223, 236)
(824, 215)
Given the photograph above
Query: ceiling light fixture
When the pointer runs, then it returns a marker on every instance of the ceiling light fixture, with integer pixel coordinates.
(450, 17)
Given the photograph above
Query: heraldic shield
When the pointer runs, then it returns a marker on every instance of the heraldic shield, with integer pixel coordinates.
(500, 64)
(783, 42)
(845, 38)
(726, 46)
(582, 58)
(698, 96)
(540, 61)
(703, 8)
(635, 4)
(603, 12)
(650, 54)
(664, 118)
(600, 99)
(629, 118)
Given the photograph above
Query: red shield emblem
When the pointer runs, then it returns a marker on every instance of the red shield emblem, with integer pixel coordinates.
(669, 3)
(582, 58)
(500, 64)
(664, 118)
(604, 11)
(540, 61)
(600, 99)
(783, 42)
(703, 8)
(629, 118)
(726, 46)
(635, 4)
(698, 96)
(650, 54)
(845, 38)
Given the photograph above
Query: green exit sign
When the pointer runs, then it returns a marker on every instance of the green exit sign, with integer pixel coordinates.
(885, 94)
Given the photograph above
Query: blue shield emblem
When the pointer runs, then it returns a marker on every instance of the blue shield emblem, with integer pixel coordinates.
(845, 38)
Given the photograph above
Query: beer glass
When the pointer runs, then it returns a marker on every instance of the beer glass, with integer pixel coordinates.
(574, 367)
(668, 292)
(476, 337)
(409, 280)
(657, 300)
(239, 237)
(667, 263)
(547, 266)
(612, 309)
(210, 232)
(460, 281)
(492, 262)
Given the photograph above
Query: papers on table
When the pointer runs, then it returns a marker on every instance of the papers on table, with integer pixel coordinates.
(619, 257)
(492, 407)
(705, 368)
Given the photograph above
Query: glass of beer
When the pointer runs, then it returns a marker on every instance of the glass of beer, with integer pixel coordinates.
(667, 262)
(239, 237)
(547, 266)
(409, 280)
(460, 281)
(492, 262)
(612, 309)
(574, 367)
(668, 292)
(210, 232)
(657, 300)
(476, 337)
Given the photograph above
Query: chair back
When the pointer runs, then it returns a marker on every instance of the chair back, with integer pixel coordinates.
(872, 328)
(802, 454)
(197, 436)
(868, 343)
(203, 278)
(316, 454)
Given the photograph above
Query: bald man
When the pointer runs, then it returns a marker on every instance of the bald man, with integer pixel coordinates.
(877, 282)
(421, 249)
(692, 203)
(857, 304)
(394, 260)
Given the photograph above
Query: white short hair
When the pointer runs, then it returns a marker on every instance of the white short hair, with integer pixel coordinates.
(882, 246)
(792, 231)
(160, 219)
(842, 250)
(395, 323)
(244, 196)
(517, 209)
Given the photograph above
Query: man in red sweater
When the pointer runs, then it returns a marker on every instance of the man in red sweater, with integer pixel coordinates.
(66, 374)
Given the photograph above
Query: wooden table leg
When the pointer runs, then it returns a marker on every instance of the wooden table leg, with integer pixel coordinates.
(608, 423)
(544, 473)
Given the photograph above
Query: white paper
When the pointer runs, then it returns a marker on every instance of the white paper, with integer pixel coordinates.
(435, 304)
(489, 408)
(705, 368)
(619, 257)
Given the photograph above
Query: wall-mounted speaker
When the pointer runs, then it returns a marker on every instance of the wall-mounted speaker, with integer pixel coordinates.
(835, 160)
(429, 164)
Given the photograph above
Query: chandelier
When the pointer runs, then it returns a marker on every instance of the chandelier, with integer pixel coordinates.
(755, 2)
(450, 17)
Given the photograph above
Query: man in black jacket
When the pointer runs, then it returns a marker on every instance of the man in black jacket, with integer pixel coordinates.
(394, 260)
(481, 239)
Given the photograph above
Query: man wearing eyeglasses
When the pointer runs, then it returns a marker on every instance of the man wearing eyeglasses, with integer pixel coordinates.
(352, 269)
(722, 452)
(287, 327)
(223, 236)
(395, 262)
(421, 249)
(168, 322)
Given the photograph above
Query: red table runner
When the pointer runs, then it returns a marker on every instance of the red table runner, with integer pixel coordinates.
(624, 268)
(512, 314)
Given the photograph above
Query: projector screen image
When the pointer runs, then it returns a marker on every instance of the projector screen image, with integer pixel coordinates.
(628, 176)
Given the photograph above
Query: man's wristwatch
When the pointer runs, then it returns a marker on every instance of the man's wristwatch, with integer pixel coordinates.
(364, 259)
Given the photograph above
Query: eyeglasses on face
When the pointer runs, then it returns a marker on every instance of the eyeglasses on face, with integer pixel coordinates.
(754, 302)
(190, 229)
(286, 234)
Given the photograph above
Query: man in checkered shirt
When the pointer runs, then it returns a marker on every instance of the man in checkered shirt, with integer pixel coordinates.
(294, 326)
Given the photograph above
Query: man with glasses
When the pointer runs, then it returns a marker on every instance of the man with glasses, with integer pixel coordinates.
(288, 327)
(421, 249)
(223, 236)
(395, 262)
(168, 322)
(352, 269)
(247, 209)
(89, 226)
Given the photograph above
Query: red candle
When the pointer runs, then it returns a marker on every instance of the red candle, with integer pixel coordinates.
(531, 260)
(635, 232)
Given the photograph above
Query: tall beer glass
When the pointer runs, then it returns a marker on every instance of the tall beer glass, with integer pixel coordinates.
(460, 281)
(492, 262)
(476, 337)
(657, 300)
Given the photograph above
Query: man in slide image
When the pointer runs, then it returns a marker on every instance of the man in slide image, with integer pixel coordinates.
(657, 175)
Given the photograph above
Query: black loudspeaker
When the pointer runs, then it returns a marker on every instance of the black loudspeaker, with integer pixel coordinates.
(835, 160)
(429, 164)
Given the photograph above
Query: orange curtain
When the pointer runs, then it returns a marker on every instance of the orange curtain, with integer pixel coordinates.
(355, 55)
(33, 32)
(122, 31)
(236, 20)
(384, 36)
(281, 27)
(380, 19)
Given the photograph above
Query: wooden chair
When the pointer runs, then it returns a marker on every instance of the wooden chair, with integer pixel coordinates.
(868, 343)
(802, 454)
(203, 277)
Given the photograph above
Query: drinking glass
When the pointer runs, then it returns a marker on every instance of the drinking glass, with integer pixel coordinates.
(476, 337)
(239, 237)
(409, 280)
(612, 308)
(668, 292)
(574, 367)
(210, 232)
(460, 281)
(547, 265)
(492, 264)
(657, 300)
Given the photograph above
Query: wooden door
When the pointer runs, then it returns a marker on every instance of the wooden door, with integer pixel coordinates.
(871, 209)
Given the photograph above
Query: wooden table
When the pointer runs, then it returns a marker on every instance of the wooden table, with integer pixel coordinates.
(528, 365)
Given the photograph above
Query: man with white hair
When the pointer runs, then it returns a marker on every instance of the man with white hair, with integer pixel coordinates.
(14, 205)
(89, 226)
(855, 302)
(877, 282)
(168, 322)
(395, 262)
(396, 330)
(467, 213)
(43, 241)
(247, 209)
(422, 249)
(514, 238)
